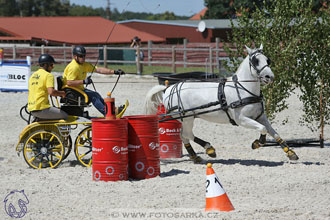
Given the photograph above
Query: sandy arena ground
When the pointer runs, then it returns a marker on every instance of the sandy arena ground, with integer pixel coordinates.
(261, 184)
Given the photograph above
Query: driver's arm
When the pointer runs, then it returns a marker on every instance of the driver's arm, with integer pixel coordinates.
(54, 92)
(104, 70)
(74, 82)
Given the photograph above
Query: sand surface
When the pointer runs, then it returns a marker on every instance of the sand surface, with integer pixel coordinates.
(261, 184)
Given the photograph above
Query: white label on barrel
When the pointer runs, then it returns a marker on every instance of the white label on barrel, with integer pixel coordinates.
(153, 145)
(174, 131)
(97, 173)
(139, 166)
(161, 131)
(95, 150)
(164, 148)
(124, 150)
(151, 171)
(116, 149)
(134, 146)
(112, 170)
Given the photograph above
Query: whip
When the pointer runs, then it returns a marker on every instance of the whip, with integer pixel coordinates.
(97, 60)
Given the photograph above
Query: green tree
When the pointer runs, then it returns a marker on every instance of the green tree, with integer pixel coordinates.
(8, 8)
(77, 10)
(296, 38)
(232, 8)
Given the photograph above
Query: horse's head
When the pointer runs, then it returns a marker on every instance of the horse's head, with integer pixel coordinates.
(260, 65)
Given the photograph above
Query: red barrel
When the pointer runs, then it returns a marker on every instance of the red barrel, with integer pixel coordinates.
(169, 137)
(143, 146)
(110, 149)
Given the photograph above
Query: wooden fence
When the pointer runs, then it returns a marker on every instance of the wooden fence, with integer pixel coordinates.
(208, 55)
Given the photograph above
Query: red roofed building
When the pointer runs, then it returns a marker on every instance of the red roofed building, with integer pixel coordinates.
(68, 30)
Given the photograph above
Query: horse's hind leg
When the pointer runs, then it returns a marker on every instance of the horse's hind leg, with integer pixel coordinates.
(289, 152)
(210, 151)
(186, 135)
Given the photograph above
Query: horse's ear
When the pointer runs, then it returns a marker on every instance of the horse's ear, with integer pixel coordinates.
(261, 47)
(248, 49)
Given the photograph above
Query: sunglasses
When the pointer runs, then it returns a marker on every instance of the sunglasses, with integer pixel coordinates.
(81, 56)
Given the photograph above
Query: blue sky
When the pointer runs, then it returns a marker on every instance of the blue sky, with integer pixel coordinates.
(179, 7)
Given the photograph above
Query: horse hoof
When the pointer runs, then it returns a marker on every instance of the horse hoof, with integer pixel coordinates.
(256, 144)
(196, 159)
(211, 152)
(292, 155)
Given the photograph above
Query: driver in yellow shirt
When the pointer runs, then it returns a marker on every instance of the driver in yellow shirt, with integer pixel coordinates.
(41, 84)
(75, 74)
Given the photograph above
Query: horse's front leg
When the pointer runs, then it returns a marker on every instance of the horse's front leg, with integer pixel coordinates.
(289, 152)
(250, 123)
(259, 143)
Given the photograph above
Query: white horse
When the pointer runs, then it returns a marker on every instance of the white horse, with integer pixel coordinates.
(238, 101)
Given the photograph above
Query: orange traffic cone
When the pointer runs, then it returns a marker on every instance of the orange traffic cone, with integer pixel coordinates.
(216, 197)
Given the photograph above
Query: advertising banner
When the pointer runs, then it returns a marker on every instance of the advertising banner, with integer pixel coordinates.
(14, 77)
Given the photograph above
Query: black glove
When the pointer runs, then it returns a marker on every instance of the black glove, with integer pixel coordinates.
(119, 72)
(88, 80)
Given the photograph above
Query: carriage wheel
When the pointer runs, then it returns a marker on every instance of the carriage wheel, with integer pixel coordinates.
(83, 147)
(43, 149)
(67, 146)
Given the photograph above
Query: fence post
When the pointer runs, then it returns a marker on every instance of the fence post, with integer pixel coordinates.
(138, 58)
(217, 41)
(149, 52)
(14, 52)
(105, 60)
(210, 59)
(42, 49)
(185, 52)
(64, 54)
(173, 60)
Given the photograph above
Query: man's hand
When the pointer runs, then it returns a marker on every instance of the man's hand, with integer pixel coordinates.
(88, 80)
(119, 72)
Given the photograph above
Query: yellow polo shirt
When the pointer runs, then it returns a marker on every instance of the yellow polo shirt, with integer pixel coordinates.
(38, 93)
(76, 71)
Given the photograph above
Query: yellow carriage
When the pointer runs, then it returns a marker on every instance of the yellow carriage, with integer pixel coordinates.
(46, 143)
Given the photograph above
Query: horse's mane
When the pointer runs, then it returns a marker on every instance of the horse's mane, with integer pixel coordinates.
(241, 66)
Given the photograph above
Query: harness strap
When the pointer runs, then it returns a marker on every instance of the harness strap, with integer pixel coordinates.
(196, 108)
(249, 100)
(245, 101)
(222, 100)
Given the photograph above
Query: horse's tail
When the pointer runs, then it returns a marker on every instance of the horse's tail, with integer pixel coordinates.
(153, 99)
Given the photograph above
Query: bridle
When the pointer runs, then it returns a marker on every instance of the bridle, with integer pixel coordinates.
(254, 62)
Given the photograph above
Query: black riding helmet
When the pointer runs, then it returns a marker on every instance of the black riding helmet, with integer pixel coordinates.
(79, 50)
(46, 59)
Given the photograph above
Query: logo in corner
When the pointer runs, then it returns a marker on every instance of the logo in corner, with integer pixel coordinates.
(15, 204)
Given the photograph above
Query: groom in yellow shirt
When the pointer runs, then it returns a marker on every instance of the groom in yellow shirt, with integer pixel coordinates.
(41, 84)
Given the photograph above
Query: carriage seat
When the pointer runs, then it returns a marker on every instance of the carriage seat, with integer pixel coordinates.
(75, 100)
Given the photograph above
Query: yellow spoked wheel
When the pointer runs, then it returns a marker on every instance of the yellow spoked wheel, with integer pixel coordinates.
(83, 147)
(67, 146)
(43, 149)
